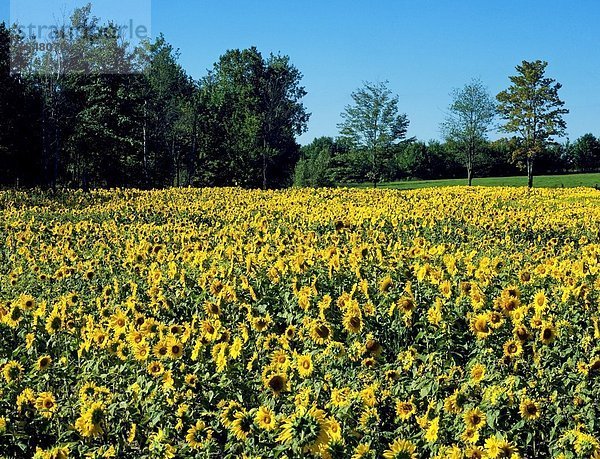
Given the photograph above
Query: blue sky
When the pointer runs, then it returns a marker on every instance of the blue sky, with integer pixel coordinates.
(424, 48)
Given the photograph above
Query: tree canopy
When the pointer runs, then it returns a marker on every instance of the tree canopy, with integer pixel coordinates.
(532, 109)
(374, 123)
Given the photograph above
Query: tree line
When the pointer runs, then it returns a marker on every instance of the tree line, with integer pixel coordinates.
(373, 144)
(130, 116)
(93, 111)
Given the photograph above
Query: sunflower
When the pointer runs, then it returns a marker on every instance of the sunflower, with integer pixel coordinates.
(290, 332)
(261, 323)
(242, 425)
(369, 418)
(479, 326)
(277, 383)
(495, 320)
(373, 347)
(27, 302)
(141, 351)
(446, 288)
(529, 409)
(54, 322)
(401, 449)
(320, 332)
(14, 316)
(135, 337)
(352, 321)
(405, 410)
(12, 371)
(155, 368)
(265, 418)
(474, 418)
(369, 362)
(149, 327)
(132, 432)
(307, 427)
(304, 365)
(547, 333)
(474, 452)
(406, 305)
(175, 348)
(89, 423)
(161, 349)
(498, 447)
(454, 403)
(211, 330)
(213, 309)
(470, 436)
(197, 436)
(392, 375)
(539, 300)
(361, 451)
(279, 359)
(522, 333)
(431, 434)
(386, 284)
(45, 403)
(477, 373)
(512, 348)
(228, 412)
(44, 363)
(25, 401)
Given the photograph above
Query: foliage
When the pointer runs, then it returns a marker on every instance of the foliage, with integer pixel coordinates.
(374, 123)
(532, 109)
(470, 116)
(586, 153)
(125, 116)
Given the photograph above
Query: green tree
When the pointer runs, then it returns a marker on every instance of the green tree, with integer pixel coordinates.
(168, 111)
(254, 113)
(373, 123)
(586, 153)
(314, 167)
(469, 119)
(533, 110)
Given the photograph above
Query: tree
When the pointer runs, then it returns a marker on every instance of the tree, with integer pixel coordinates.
(167, 114)
(586, 152)
(254, 113)
(373, 123)
(533, 110)
(314, 167)
(468, 122)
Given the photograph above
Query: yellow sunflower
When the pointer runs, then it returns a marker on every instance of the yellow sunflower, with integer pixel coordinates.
(401, 449)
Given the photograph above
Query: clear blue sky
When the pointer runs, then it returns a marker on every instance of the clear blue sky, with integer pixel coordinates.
(424, 48)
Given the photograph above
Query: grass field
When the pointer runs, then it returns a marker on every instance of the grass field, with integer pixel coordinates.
(543, 181)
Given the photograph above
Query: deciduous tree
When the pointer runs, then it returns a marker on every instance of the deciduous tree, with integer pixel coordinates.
(533, 110)
(469, 119)
(374, 123)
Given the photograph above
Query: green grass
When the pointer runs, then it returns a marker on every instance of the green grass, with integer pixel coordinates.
(542, 181)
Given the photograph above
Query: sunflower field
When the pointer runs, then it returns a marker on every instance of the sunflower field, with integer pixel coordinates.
(223, 323)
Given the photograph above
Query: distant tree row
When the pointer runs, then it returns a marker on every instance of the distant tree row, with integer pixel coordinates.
(373, 144)
(328, 161)
(93, 111)
(96, 112)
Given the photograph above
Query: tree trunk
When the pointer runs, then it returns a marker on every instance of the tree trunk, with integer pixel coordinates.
(470, 156)
(175, 162)
(264, 164)
(145, 147)
(530, 172)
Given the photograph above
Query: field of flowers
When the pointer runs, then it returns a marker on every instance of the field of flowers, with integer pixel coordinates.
(446, 323)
